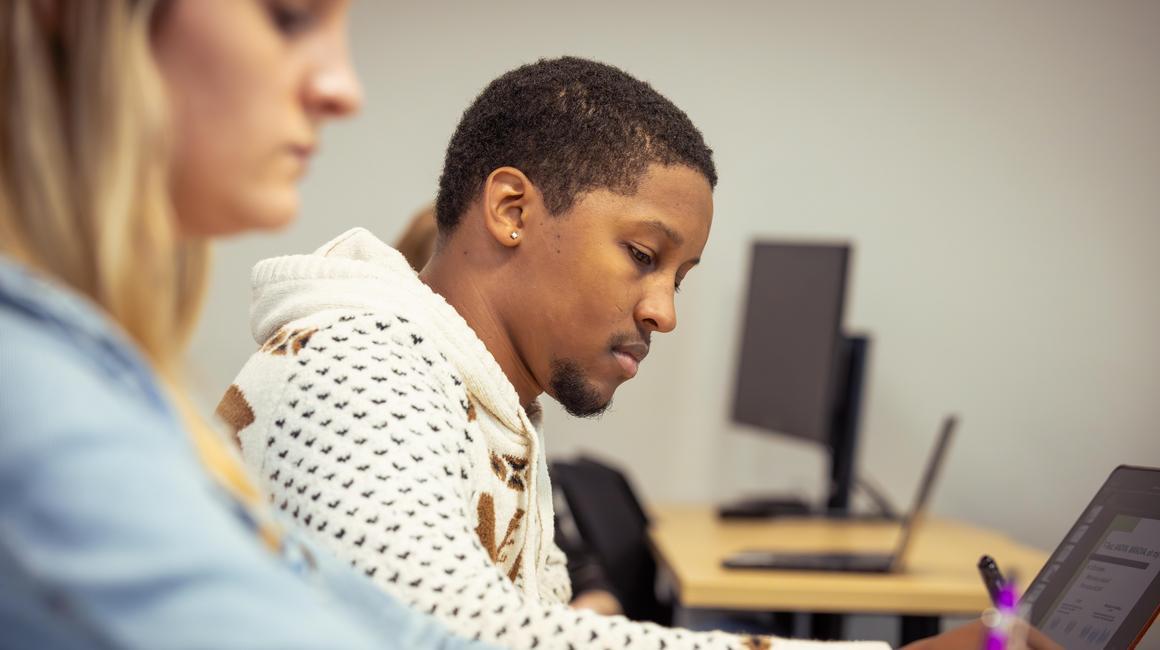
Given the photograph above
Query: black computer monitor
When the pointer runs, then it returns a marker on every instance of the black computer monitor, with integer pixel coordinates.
(798, 374)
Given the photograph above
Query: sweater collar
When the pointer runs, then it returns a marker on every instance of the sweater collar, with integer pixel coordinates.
(356, 270)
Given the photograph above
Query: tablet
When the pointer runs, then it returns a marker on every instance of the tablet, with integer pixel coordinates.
(1101, 587)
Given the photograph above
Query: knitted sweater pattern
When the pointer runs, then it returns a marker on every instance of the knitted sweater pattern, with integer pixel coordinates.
(379, 422)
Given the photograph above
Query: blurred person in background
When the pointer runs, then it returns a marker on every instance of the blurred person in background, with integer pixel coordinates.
(131, 133)
(417, 241)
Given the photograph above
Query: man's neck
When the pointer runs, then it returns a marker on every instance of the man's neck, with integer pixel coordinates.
(469, 296)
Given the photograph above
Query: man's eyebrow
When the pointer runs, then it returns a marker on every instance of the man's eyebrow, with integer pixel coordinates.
(664, 229)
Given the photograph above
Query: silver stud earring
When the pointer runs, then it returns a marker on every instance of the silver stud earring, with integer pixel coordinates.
(515, 235)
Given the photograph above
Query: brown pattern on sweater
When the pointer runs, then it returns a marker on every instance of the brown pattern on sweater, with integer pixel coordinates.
(757, 643)
(513, 526)
(497, 466)
(514, 572)
(292, 340)
(235, 412)
(510, 470)
(485, 529)
(517, 480)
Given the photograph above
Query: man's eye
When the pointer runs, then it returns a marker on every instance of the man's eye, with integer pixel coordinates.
(640, 256)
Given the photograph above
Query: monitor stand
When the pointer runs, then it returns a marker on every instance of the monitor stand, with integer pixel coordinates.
(784, 507)
(764, 508)
(854, 353)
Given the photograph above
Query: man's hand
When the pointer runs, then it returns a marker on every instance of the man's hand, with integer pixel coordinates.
(972, 635)
(598, 601)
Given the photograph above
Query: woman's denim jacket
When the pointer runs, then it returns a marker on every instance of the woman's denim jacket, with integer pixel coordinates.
(111, 533)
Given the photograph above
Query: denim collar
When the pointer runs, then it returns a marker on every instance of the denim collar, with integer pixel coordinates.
(75, 320)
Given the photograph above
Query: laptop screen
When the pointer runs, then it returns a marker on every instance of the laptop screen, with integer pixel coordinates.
(925, 488)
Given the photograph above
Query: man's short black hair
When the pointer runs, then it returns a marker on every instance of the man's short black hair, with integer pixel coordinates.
(572, 126)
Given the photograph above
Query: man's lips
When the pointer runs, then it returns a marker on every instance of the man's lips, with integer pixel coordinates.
(630, 355)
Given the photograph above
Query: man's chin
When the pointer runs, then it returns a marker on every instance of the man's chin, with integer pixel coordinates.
(586, 410)
(571, 388)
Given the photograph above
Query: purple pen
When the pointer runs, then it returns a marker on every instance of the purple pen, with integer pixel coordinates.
(1000, 633)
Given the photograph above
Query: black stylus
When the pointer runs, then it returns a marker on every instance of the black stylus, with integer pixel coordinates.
(992, 577)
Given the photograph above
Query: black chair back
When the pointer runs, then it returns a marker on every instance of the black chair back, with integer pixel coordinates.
(615, 527)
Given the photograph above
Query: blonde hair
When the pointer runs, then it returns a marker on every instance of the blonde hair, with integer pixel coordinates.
(84, 187)
(84, 182)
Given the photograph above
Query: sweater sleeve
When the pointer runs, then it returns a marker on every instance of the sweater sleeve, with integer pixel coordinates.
(365, 441)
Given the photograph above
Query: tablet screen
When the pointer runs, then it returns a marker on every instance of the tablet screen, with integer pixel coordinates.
(1100, 588)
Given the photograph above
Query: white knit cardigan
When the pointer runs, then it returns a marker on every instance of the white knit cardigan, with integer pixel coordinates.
(379, 422)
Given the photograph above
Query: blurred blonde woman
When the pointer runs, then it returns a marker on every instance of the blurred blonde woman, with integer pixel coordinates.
(131, 132)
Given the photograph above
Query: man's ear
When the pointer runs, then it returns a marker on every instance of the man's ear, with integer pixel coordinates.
(508, 194)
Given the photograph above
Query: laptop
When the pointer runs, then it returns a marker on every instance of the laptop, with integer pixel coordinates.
(860, 562)
(1100, 589)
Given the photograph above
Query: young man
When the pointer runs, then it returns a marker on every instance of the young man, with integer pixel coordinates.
(394, 416)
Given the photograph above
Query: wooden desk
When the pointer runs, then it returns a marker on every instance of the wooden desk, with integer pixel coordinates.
(941, 578)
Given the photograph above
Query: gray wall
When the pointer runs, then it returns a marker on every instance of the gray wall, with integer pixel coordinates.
(996, 164)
